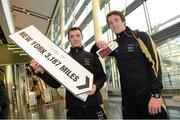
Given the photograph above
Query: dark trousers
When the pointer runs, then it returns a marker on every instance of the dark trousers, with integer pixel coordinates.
(136, 107)
(4, 112)
(88, 112)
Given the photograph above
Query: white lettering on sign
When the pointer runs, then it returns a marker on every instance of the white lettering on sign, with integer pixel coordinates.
(56, 61)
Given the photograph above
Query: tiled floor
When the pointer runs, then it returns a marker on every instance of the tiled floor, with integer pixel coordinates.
(57, 110)
(172, 107)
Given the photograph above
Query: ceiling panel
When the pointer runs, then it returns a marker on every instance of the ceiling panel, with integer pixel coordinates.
(22, 20)
(44, 7)
(33, 12)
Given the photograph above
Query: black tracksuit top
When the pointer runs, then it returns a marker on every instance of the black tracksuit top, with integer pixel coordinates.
(91, 63)
(137, 62)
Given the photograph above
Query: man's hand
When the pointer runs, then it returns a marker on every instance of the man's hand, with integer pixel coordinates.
(154, 106)
(92, 91)
(36, 67)
(102, 44)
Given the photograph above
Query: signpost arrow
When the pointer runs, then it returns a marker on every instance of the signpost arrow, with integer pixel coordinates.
(86, 85)
(55, 61)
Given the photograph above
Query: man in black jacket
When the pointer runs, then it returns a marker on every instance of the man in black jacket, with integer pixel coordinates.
(4, 101)
(140, 72)
(76, 108)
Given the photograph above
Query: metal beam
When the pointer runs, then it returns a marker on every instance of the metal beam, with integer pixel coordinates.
(169, 32)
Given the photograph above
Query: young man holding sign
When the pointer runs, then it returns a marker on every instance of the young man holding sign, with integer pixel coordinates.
(76, 108)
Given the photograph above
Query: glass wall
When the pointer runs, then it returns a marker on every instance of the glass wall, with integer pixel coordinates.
(137, 20)
(119, 4)
(163, 13)
(170, 57)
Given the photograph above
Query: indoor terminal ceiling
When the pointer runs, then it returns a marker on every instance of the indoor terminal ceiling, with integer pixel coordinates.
(33, 12)
(37, 12)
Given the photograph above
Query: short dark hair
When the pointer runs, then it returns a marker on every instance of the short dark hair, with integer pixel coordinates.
(73, 29)
(115, 12)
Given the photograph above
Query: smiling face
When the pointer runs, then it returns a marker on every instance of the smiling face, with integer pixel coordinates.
(75, 38)
(116, 24)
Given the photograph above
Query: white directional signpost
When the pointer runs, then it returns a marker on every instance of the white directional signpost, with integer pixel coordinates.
(57, 62)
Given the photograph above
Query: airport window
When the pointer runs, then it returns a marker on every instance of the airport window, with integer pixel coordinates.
(136, 19)
(119, 4)
(162, 12)
(170, 57)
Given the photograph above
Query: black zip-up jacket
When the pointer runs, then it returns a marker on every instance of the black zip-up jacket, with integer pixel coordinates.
(4, 98)
(138, 63)
(91, 63)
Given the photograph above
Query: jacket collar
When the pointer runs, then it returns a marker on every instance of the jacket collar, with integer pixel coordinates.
(76, 49)
(125, 33)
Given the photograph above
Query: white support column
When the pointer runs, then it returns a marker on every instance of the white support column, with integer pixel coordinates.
(10, 78)
(96, 19)
(98, 36)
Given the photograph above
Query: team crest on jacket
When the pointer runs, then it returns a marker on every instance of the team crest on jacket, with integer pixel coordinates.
(87, 61)
(130, 47)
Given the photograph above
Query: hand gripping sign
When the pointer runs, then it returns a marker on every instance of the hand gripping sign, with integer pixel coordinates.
(57, 62)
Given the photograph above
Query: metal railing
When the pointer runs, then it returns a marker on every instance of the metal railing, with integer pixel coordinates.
(171, 80)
